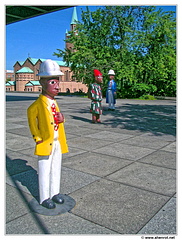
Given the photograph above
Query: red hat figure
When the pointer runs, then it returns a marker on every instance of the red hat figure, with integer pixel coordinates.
(97, 73)
(95, 94)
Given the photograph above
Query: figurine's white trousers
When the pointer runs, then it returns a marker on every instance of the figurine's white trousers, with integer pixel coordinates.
(49, 173)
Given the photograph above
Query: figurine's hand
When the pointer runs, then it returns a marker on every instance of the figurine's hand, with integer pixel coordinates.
(60, 117)
(39, 142)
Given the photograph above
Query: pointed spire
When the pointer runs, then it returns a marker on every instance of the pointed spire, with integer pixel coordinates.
(74, 19)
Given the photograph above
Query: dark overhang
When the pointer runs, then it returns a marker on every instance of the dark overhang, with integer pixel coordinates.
(18, 13)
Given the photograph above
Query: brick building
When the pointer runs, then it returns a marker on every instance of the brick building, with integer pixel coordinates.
(10, 83)
(9, 75)
(24, 74)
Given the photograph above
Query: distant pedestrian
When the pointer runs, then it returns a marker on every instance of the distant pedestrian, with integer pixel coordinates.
(95, 94)
(111, 91)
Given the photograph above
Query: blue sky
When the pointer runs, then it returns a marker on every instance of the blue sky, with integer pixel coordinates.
(39, 37)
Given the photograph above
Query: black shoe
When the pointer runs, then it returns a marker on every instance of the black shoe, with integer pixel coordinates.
(48, 203)
(58, 199)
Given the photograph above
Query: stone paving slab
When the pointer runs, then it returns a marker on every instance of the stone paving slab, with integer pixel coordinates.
(23, 131)
(14, 119)
(105, 135)
(73, 152)
(77, 130)
(161, 158)
(72, 180)
(18, 206)
(119, 129)
(171, 147)
(124, 151)
(164, 222)
(63, 224)
(148, 177)
(10, 125)
(148, 142)
(85, 143)
(121, 208)
(18, 143)
(71, 136)
(25, 224)
(96, 164)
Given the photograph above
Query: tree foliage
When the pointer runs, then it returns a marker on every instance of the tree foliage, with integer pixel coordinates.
(138, 43)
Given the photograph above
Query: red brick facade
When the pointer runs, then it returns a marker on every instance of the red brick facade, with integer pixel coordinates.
(22, 78)
(9, 75)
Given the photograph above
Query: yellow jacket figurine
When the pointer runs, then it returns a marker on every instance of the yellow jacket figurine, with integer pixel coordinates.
(46, 124)
(41, 124)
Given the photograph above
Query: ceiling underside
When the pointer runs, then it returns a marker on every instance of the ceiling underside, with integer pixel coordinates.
(19, 13)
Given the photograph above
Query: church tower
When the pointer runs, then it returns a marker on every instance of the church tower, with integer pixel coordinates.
(74, 21)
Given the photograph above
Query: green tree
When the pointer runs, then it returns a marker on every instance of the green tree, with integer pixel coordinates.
(159, 43)
(137, 42)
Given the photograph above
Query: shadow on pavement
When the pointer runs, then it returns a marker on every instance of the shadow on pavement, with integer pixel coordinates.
(154, 118)
(80, 118)
(158, 119)
(27, 176)
(20, 98)
(12, 98)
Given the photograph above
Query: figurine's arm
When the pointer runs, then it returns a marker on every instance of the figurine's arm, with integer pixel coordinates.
(60, 117)
(33, 123)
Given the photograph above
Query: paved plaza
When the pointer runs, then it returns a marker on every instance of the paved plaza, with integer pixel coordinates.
(121, 173)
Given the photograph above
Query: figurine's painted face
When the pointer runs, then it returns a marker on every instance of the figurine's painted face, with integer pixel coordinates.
(111, 77)
(98, 79)
(50, 86)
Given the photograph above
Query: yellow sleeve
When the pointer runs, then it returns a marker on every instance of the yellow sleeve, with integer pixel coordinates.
(32, 113)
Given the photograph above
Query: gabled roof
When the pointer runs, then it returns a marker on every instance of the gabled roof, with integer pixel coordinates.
(21, 62)
(33, 83)
(32, 60)
(35, 60)
(10, 83)
(25, 70)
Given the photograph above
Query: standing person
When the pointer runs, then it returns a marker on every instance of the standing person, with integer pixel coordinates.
(111, 91)
(47, 128)
(95, 94)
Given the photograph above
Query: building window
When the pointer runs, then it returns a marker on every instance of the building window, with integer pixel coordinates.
(67, 76)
